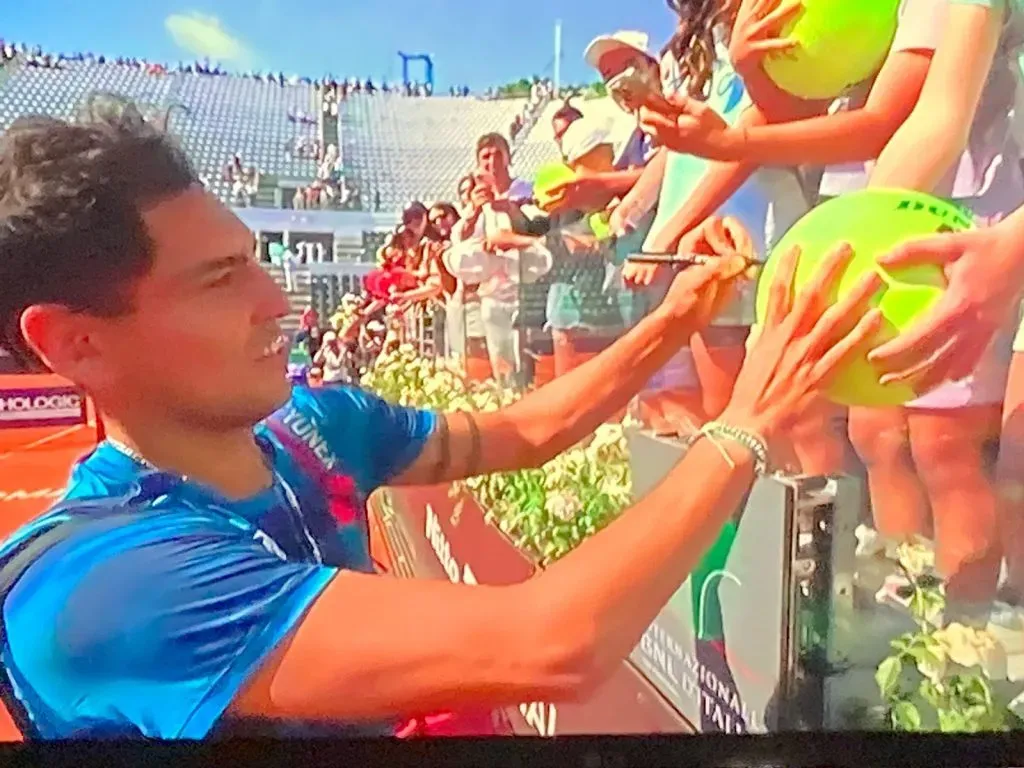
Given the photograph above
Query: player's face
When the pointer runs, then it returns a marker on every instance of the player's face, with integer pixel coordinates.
(203, 340)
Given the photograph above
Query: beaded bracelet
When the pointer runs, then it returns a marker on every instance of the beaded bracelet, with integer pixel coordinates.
(752, 442)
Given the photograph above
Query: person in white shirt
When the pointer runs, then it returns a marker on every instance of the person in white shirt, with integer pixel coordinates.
(332, 360)
(488, 253)
(494, 159)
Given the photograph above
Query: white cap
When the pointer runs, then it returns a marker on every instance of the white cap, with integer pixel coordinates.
(604, 44)
(584, 136)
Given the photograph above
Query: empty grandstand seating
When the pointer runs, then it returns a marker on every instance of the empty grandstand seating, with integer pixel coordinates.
(225, 115)
(221, 115)
(417, 149)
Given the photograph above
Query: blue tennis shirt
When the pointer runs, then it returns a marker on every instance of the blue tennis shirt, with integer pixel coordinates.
(149, 624)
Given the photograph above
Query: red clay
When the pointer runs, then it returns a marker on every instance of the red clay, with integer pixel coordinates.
(35, 462)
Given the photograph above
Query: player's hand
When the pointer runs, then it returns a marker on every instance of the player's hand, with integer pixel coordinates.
(757, 31)
(802, 344)
(700, 292)
(716, 236)
(985, 270)
(693, 128)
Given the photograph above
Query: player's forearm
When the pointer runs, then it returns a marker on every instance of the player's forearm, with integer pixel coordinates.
(607, 591)
(563, 412)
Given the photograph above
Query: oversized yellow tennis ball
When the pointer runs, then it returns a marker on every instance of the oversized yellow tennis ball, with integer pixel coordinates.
(600, 225)
(547, 178)
(840, 43)
(873, 222)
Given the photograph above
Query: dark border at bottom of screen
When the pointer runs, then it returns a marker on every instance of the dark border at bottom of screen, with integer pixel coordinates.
(855, 750)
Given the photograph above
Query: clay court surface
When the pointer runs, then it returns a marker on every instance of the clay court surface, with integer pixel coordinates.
(34, 462)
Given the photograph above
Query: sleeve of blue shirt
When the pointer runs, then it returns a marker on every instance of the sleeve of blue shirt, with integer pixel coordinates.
(374, 439)
(149, 629)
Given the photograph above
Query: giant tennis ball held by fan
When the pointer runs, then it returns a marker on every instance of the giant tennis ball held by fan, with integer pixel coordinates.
(839, 43)
(872, 222)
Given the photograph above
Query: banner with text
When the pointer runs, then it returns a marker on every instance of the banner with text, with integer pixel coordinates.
(41, 407)
(715, 650)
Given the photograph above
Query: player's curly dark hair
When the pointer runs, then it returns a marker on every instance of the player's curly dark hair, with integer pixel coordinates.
(71, 202)
(693, 43)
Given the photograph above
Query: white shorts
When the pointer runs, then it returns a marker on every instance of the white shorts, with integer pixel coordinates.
(986, 386)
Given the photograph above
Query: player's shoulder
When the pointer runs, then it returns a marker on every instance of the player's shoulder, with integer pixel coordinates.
(329, 402)
(102, 525)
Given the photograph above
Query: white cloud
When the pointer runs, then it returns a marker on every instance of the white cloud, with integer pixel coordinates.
(204, 36)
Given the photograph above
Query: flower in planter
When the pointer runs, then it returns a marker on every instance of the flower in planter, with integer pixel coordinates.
(917, 558)
(971, 647)
(563, 506)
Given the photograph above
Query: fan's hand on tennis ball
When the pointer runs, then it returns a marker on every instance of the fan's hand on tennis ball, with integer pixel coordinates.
(804, 341)
(985, 270)
(757, 29)
(695, 129)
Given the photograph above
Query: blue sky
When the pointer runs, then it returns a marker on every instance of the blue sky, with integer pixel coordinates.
(472, 42)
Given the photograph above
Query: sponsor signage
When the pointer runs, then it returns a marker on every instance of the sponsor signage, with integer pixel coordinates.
(700, 652)
(430, 535)
(442, 538)
(41, 407)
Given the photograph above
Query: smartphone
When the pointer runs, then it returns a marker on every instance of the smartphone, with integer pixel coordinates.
(636, 87)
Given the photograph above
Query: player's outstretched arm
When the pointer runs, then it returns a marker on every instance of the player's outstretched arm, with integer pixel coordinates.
(371, 647)
(557, 416)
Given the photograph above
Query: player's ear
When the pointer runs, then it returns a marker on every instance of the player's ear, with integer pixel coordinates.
(65, 341)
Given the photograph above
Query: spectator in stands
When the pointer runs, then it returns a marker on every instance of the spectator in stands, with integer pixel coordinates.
(463, 193)
(437, 285)
(488, 252)
(414, 219)
(615, 56)
(284, 259)
(618, 58)
(494, 159)
(333, 360)
(584, 293)
(309, 328)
